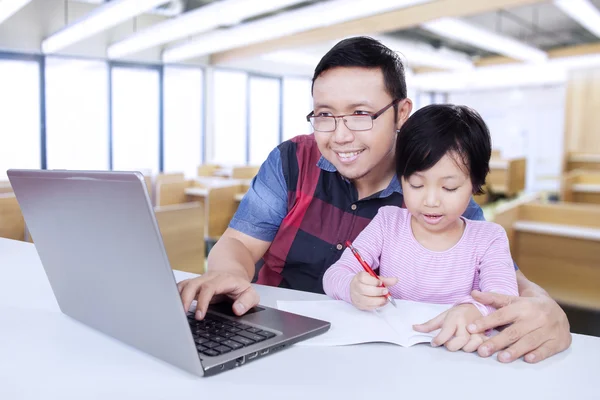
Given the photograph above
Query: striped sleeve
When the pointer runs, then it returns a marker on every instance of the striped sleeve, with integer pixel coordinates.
(496, 269)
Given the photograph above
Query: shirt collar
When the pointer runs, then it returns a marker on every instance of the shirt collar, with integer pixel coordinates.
(393, 187)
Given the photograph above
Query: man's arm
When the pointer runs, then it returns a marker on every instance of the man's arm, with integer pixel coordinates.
(538, 329)
(252, 229)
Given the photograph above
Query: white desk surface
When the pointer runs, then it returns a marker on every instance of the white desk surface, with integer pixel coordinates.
(572, 231)
(239, 196)
(586, 187)
(46, 355)
(196, 191)
(498, 164)
(216, 182)
(584, 157)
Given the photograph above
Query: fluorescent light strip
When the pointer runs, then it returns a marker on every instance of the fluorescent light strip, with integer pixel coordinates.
(466, 33)
(292, 57)
(104, 17)
(200, 20)
(9, 7)
(289, 23)
(417, 54)
(583, 12)
(555, 71)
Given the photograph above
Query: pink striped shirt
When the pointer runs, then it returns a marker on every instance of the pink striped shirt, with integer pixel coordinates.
(480, 260)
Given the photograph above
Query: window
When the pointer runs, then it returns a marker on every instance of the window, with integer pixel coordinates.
(77, 114)
(19, 115)
(183, 119)
(297, 103)
(135, 119)
(230, 116)
(264, 117)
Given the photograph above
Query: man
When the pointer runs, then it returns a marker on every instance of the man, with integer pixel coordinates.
(316, 191)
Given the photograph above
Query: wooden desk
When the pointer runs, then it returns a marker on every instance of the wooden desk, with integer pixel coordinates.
(590, 162)
(558, 247)
(581, 186)
(507, 176)
(71, 361)
(197, 192)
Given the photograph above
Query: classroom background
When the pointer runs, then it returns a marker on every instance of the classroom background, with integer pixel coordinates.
(196, 93)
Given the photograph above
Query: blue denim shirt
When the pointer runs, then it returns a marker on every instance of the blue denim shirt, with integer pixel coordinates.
(264, 207)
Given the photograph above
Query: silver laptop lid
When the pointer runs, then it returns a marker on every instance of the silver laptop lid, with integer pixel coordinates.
(100, 245)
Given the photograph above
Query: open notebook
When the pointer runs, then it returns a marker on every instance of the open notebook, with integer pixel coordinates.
(352, 326)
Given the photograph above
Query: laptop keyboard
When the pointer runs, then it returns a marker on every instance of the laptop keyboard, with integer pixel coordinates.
(215, 335)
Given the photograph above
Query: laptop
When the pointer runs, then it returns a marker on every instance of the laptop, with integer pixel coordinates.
(100, 245)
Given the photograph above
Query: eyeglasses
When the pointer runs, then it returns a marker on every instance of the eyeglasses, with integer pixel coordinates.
(354, 122)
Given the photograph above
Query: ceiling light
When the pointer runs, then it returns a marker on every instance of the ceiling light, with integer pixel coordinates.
(289, 23)
(103, 17)
(203, 19)
(9, 7)
(456, 29)
(583, 12)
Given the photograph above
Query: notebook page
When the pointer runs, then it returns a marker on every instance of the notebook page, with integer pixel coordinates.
(348, 324)
(407, 314)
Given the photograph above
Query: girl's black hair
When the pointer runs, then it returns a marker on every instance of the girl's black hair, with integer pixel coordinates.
(434, 130)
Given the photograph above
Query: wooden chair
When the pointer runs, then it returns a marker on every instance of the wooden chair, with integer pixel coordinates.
(5, 187)
(12, 224)
(207, 169)
(221, 206)
(244, 172)
(170, 193)
(169, 177)
(182, 230)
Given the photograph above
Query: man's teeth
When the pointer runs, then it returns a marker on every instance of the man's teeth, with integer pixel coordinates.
(348, 155)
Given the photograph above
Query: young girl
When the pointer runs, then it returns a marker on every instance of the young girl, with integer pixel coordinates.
(427, 251)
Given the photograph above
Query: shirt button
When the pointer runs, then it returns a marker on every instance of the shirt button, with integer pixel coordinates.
(339, 246)
(353, 207)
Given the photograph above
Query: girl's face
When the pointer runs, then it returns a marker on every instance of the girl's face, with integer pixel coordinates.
(439, 196)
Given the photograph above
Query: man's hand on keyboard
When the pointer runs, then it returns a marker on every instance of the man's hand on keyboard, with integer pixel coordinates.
(213, 287)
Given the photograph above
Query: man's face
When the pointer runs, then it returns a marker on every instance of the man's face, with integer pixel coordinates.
(354, 90)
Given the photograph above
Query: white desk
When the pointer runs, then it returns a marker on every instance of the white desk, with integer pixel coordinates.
(196, 191)
(44, 354)
(586, 187)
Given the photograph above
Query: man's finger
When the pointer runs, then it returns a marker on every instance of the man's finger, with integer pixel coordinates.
(541, 353)
(502, 340)
(189, 293)
(181, 285)
(526, 344)
(248, 299)
(500, 317)
(496, 300)
(432, 324)
(203, 299)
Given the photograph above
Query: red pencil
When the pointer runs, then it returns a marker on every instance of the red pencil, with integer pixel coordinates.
(368, 269)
